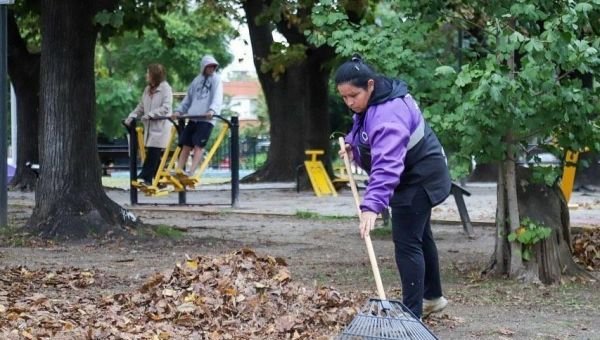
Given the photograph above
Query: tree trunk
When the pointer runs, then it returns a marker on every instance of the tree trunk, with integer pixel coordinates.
(552, 258)
(319, 122)
(69, 200)
(509, 171)
(24, 72)
(296, 101)
(501, 247)
(506, 260)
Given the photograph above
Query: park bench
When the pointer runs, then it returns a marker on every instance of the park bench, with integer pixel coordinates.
(111, 155)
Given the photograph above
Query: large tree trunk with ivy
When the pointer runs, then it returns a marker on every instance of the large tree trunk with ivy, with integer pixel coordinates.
(296, 98)
(545, 206)
(24, 72)
(70, 201)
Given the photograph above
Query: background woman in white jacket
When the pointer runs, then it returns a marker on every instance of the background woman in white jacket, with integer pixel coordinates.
(156, 101)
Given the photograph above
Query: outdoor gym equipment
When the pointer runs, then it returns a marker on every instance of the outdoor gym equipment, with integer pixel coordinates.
(380, 318)
(317, 174)
(165, 175)
(568, 176)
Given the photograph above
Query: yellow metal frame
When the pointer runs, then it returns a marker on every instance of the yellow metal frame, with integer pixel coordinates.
(162, 176)
(139, 132)
(317, 174)
(194, 180)
(212, 151)
(568, 176)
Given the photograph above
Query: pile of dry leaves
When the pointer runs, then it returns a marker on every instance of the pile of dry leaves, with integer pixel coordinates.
(237, 296)
(586, 249)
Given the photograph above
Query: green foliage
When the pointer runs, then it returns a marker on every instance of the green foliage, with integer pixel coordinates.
(520, 71)
(528, 234)
(115, 99)
(118, 17)
(27, 17)
(190, 36)
(547, 175)
(281, 56)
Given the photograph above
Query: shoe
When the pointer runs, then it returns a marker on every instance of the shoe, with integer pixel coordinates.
(176, 172)
(143, 183)
(434, 306)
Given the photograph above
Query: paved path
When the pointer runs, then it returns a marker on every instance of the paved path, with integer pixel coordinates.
(282, 198)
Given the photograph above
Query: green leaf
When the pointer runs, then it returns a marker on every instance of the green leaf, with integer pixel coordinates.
(496, 93)
(463, 79)
(526, 254)
(444, 70)
(583, 7)
(516, 37)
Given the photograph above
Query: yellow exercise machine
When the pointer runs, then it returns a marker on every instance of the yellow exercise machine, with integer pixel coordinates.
(317, 174)
(166, 178)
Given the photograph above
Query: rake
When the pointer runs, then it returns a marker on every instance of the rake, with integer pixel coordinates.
(380, 318)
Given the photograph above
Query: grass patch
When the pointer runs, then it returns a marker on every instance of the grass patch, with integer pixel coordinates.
(303, 214)
(307, 214)
(382, 232)
(166, 231)
(14, 236)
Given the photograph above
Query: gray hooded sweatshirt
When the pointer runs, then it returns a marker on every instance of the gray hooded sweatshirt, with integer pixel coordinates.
(204, 94)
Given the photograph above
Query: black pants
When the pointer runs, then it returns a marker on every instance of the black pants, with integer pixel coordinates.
(151, 163)
(416, 253)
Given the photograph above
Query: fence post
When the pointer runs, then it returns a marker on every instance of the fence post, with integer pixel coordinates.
(133, 147)
(235, 160)
(182, 195)
(3, 116)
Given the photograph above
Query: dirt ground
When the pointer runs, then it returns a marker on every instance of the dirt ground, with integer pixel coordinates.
(327, 251)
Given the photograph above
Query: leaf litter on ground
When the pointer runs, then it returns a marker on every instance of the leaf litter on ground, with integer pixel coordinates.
(586, 249)
(242, 295)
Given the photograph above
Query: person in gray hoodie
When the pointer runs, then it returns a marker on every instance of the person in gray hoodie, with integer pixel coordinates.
(203, 98)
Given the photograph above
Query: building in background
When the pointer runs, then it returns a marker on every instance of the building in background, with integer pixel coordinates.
(242, 96)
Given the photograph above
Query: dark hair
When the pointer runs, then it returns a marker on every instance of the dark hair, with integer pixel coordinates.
(157, 73)
(355, 71)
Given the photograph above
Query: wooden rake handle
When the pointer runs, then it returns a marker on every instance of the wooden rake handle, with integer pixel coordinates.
(370, 250)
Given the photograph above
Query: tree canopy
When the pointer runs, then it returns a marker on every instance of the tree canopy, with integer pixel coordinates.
(543, 96)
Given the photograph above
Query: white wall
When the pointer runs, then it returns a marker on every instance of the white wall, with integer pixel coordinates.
(244, 107)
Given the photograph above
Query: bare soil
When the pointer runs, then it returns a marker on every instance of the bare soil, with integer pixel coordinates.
(328, 251)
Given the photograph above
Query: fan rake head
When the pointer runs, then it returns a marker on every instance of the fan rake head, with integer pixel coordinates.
(386, 319)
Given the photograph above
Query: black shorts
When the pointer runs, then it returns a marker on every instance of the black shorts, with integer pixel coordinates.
(196, 134)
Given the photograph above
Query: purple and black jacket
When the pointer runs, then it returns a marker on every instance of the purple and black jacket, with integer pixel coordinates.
(398, 149)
